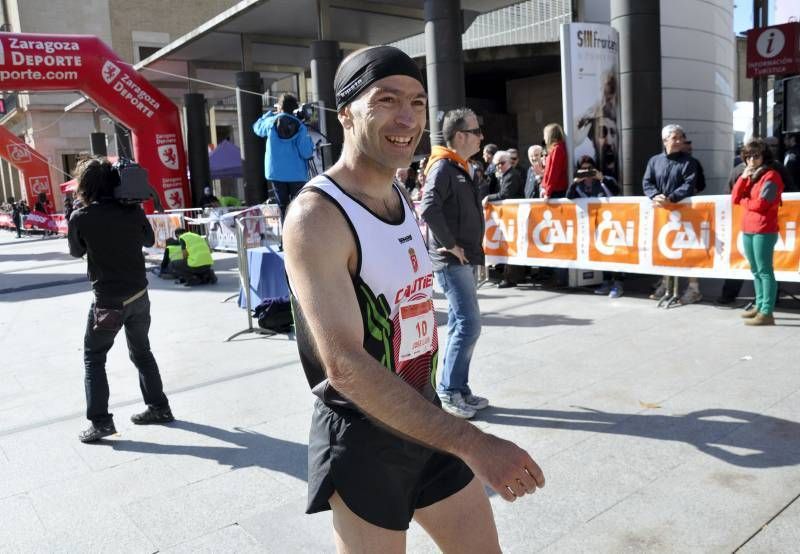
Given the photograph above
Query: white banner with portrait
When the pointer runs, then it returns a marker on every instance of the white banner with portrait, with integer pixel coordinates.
(590, 95)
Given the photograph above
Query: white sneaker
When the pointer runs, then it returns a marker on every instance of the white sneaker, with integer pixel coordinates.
(690, 296)
(454, 404)
(476, 402)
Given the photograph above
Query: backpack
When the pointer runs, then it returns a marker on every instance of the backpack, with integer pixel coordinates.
(275, 314)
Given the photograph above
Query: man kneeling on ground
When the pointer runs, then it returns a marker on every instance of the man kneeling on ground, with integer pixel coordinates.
(194, 267)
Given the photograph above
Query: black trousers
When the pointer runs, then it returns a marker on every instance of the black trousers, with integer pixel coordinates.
(96, 344)
(181, 269)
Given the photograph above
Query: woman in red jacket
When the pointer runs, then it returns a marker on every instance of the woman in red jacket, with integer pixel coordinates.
(759, 191)
(554, 181)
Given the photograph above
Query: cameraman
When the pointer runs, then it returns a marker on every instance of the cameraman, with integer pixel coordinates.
(111, 235)
(289, 147)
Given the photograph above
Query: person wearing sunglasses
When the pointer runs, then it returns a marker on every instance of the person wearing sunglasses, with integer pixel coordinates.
(759, 191)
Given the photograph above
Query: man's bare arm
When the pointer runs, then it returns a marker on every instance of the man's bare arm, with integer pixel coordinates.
(320, 256)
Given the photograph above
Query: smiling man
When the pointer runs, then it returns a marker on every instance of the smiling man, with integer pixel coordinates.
(381, 449)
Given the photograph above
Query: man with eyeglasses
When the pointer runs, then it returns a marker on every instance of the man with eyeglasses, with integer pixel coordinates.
(511, 186)
(451, 207)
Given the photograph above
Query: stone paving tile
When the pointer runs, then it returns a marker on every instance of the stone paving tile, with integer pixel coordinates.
(232, 538)
(197, 509)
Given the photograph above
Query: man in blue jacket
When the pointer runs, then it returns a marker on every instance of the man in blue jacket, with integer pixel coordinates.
(289, 147)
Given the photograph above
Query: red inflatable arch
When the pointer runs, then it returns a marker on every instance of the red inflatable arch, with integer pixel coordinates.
(31, 62)
(33, 166)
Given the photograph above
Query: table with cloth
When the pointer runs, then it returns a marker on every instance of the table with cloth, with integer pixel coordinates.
(267, 276)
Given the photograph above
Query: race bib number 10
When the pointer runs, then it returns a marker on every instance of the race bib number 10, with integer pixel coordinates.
(416, 330)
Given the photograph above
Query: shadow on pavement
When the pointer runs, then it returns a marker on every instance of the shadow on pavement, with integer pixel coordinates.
(531, 320)
(743, 439)
(248, 449)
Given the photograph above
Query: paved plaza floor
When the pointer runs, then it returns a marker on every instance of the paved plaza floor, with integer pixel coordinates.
(658, 430)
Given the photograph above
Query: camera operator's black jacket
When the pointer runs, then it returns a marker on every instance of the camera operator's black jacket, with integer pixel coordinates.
(112, 236)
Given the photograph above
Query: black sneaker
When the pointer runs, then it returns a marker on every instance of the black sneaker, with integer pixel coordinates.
(97, 431)
(153, 415)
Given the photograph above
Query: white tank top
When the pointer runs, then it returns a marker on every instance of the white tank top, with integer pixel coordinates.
(394, 287)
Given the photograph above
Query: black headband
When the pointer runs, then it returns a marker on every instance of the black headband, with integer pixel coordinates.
(365, 67)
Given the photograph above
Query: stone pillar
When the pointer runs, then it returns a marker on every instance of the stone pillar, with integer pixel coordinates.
(444, 62)
(638, 23)
(197, 142)
(325, 58)
(249, 110)
(98, 142)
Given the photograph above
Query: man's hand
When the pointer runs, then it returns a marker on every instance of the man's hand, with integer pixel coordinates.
(456, 251)
(660, 200)
(505, 467)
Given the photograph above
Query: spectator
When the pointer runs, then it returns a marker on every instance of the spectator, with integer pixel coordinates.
(759, 191)
(554, 180)
(452, 209)
(511, 186)
(208, 200)
(491, 185)
(68, 205)
(700, 181)
(16, 216)
(401, 180)
(289, 147)
(791, 162)
(533, 179)
(670, 177)
(589, 182)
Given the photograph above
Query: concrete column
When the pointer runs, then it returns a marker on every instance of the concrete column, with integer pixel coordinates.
(123, 138)
(197, 142)
(98, 142)
(249, 110)
(638, 23)
(444, 62)
(325, 58)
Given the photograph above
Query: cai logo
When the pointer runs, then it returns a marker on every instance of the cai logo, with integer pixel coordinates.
(40, 184)
(168, 154)
(770, 43)
(684, 235)
(614, 232)
(500, 238)
(18, 153)
(110, 72)
(551, 231)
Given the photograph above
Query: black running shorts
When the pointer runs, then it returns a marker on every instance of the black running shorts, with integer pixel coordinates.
(381, 477)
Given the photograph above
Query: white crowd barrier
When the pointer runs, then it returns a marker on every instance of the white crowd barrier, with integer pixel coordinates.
(698, 237)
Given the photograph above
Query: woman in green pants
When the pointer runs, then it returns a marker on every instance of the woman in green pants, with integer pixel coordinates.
(758, 191)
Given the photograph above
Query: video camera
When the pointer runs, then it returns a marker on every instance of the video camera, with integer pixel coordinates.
(134, 187)
(305, 112)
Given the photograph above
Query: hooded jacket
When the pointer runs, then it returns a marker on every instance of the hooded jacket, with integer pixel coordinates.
(451, 207)
(288, 147)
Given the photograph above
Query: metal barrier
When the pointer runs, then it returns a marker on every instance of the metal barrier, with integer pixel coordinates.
(198, 228)
(252, 231)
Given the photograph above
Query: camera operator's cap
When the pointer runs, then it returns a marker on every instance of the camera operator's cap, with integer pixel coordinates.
(362, 68)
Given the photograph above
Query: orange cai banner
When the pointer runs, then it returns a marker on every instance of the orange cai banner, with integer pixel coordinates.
(684, 235)
(614, 233)
(552, 231)
(500, 238)
(787, 253)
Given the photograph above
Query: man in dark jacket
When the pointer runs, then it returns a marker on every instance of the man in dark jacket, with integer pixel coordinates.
(511, 186)
(452, 209)
(112, 235)
(670, 177)
(791, 162)
(16, 217)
